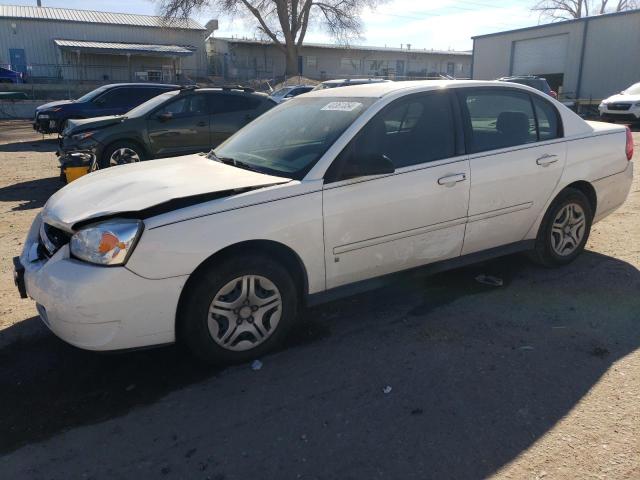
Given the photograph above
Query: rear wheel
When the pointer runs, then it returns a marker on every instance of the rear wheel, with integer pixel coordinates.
(564, 230)
(238, 310)
(121, 153)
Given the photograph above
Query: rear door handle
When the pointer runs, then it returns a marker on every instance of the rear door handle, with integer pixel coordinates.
(451, 180)
(546, 159)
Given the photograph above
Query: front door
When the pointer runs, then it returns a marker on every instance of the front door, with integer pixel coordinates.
(516, 161)
(415, 216)
(180, 126)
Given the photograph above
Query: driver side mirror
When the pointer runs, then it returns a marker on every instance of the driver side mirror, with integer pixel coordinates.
(368, 165)
(165, 116)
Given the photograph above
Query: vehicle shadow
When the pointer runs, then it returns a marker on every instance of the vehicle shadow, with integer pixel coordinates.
(34, 193)
(476, 375)
(44, 145)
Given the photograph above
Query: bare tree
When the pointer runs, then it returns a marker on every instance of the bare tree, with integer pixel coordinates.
(570, 9)
(284, 22)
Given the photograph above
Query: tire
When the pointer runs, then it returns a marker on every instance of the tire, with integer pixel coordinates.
(223, 334)
(131, 153)
(566, 207)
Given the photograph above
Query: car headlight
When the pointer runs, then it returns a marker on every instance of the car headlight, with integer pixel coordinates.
(107, 243)
(82, 136)
(637, 104)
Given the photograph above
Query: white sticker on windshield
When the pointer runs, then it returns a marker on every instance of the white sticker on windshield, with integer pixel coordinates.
(342, 106)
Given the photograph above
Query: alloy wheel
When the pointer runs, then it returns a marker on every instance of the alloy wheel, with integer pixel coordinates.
(244, 313)
(568, 229)
(123, 156)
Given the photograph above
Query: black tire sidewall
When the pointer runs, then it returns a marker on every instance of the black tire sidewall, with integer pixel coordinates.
(192, 328)
(106, 155)
(545, 251)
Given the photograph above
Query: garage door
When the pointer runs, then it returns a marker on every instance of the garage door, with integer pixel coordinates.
(538, 56)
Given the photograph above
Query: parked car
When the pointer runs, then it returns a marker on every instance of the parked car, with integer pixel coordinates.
(347, 82)
(625, 106)
(533, 81)
(10, 76)
(285, 93)
(114, 99)
(177, 122)
(312, 200)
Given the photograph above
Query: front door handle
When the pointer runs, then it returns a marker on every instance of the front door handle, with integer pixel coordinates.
(451, 180)
(201, 124)
(546, 159)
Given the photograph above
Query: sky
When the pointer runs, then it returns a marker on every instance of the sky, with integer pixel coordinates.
(428, 24)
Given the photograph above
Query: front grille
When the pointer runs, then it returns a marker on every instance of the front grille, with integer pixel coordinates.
(619, 106)
(51, 239)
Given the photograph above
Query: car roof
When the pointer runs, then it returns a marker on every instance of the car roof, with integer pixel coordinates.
(378, 90)
(142, 84)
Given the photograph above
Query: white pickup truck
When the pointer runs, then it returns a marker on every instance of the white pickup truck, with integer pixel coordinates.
(313, 199)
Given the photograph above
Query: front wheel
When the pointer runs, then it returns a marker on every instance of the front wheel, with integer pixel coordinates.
(564, 230)
(238, 310)
(121, 153)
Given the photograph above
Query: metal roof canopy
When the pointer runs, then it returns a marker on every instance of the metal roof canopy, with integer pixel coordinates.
(116, 48)
(91, 16)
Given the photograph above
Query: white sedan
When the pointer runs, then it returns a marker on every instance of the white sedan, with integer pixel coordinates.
(311, 200)
(624, 106)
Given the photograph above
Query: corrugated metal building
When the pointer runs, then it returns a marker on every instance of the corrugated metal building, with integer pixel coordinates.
(53, 44)
(588, 58)
(244, 59)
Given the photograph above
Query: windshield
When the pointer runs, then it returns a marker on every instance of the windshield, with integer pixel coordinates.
(282, 92)
(633, 89)
(149, 105)
(288, 140)
(87, 97)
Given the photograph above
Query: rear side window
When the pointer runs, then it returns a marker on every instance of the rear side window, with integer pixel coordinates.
(497, 119)
(238, 103)
(548, 120)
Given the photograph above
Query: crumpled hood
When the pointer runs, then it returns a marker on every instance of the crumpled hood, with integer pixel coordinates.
(140, 186)
(50, 105)
(78, 125)
(622, 98)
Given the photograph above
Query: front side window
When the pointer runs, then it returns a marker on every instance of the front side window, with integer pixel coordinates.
(497, 119)
(186, 106)
(410, 131)
(290, 139)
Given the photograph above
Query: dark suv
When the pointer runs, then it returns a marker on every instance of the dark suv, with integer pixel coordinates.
(113, 99)
(533, 81)
(183, 121)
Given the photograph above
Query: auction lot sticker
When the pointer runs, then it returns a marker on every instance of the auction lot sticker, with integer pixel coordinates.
(341, 106)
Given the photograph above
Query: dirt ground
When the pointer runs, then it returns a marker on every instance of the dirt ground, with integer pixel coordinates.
(537, 379)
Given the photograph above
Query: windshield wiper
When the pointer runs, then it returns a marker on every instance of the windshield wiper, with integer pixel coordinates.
(232, 161)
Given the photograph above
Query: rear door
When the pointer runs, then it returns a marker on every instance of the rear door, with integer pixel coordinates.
(516, 159)
(180, 126)
(230, 112)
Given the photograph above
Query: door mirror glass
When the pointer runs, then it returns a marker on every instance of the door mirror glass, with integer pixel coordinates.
(367, 165)
(165, 116)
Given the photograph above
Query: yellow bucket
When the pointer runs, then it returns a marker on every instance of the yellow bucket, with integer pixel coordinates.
(73, 173)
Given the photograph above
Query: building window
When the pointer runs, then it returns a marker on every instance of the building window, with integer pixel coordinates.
(312, 62)
(451, 68)
(348, 64)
